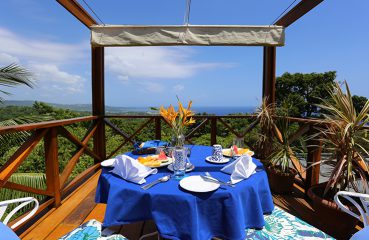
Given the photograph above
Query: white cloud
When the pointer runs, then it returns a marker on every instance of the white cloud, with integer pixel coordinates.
(153, 63)
(178, 88)
(51, 76)
(49, 61)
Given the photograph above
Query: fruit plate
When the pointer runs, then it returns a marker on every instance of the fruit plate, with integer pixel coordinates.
(227, 152)
(153, 161)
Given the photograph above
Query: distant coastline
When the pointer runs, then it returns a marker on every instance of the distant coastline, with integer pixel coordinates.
(217, 110)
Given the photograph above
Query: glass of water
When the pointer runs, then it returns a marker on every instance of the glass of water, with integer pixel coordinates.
(179, 156)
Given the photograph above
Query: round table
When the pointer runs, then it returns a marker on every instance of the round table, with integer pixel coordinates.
(180, 214)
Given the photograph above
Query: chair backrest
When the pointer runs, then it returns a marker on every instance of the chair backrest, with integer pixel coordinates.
(363, 206)
(23, 202)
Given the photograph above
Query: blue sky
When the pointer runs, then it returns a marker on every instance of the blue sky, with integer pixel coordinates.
(50, 42)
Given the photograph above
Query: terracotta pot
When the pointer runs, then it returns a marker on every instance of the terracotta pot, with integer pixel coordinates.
(281, 182)
(341, 224)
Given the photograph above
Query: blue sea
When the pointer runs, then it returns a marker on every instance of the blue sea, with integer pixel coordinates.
(198, 109)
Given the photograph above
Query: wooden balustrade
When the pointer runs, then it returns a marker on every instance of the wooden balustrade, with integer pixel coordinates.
(58, 184)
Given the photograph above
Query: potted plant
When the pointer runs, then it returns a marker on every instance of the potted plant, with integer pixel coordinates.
(345, 135)
(282, 157)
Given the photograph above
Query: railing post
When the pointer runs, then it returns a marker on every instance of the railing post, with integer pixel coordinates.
(314, 147)
(52, 165)
(158, 127)
(213, 130)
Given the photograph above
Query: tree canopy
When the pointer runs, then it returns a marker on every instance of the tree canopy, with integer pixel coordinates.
(300, 92)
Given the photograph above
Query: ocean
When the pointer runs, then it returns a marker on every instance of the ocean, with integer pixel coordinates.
(197, 109)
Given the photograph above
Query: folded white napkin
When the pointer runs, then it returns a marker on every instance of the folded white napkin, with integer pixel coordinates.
(240, 169)
(131, 170)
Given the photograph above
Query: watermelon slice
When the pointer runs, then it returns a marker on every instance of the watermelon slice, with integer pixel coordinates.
(162, 156)
(235, 149)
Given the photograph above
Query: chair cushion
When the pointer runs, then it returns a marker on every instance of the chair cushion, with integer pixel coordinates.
(361, 235)
(90, 230)
(7, 232)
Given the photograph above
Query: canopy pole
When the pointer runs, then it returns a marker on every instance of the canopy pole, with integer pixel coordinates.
(269, 72)
(98, 100)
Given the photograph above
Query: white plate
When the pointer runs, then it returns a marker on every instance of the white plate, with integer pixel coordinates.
(197, 184)
(210, 159)
(189, 167)
(108, 163)
(227, 153)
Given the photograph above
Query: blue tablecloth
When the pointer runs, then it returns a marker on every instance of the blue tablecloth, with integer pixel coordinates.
(179, 214)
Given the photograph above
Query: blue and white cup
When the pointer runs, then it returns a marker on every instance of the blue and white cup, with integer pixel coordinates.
(217, 153)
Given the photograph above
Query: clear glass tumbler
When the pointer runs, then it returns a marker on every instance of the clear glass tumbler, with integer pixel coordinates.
(179, 156)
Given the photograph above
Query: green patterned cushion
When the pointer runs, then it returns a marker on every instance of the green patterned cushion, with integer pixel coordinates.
(90, 230)
(282, 225)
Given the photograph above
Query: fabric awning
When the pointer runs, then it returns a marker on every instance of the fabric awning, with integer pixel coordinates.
(192, 35)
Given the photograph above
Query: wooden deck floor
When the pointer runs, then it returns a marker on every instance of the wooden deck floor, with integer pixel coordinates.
(80, 207)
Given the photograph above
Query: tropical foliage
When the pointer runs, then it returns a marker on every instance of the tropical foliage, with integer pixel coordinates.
(346, 137)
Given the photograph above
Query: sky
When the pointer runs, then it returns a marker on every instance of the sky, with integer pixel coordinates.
(47, 40)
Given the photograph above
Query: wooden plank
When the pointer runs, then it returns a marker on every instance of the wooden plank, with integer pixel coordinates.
(302, 130)
(78, 12)
(44, 228)
(297, 12)
(52, 165)
(97, 213)
(315, 147)
(75, 217)
(40, 125)
(201, 125)
(250, 127)
(269, 72)
(20, 155)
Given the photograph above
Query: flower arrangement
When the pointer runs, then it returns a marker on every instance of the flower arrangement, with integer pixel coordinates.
(178, 120)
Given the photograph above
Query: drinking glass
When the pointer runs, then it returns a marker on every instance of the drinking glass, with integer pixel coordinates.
(179, 156)
(239, 142)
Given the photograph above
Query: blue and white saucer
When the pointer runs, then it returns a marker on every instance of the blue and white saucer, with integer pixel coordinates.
(212, 160)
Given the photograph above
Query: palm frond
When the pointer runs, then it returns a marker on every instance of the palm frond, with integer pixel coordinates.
(13, 75)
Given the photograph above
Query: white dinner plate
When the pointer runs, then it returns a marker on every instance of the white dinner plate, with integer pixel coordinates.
(108, 163)
(227, 153)
(197, 184)
(210, 159)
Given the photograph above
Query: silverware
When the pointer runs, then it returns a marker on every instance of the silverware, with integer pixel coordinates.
(160, 180)
(211, 179)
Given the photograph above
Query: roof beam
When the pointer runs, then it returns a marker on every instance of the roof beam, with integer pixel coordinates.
(297, 11)
(78, 11)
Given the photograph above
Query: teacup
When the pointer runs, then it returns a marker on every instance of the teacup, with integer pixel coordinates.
(217, 153)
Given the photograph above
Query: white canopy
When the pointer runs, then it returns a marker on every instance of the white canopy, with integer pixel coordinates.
(197, 35)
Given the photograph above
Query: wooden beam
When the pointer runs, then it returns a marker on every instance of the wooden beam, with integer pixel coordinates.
(98, 100)
(78, 12)
(297, 11)
(269, 68)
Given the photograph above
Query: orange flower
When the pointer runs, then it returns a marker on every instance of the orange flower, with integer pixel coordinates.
(178, 119)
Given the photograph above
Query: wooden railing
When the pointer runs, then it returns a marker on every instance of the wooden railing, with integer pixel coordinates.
(58, 184)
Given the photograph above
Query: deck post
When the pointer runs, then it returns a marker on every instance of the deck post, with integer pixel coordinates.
(52, 165)
(158, 127)
(98, 100)
(314, 148)
(269, 69)
(213, 130)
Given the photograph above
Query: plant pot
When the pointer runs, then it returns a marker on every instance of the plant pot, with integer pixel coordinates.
(280, 182)
(341, 224)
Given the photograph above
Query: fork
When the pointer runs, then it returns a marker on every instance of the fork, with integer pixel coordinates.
(221, 182)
